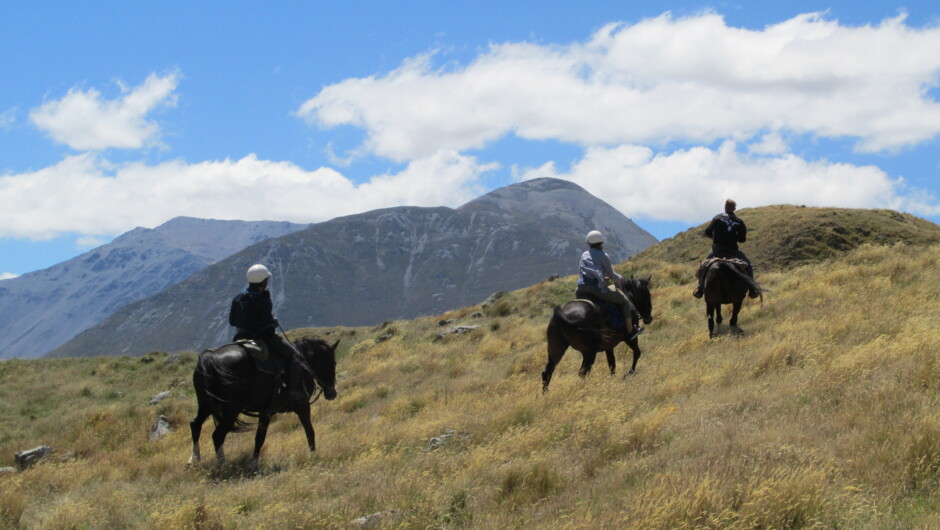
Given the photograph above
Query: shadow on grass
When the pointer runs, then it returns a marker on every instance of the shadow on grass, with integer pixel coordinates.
(236, 469)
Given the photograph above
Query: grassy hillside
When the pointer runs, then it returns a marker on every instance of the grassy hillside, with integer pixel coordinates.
(824, 414)
(782, 236)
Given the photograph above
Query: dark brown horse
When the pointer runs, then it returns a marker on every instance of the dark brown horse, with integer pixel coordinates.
(228, 384)
(726, 283)
(582, 325)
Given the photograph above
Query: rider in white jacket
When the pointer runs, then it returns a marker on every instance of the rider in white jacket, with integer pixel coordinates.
(595, 271)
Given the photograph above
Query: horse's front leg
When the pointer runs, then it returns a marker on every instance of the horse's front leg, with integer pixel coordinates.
(303, 413)
(611, 361)
(264, 419)
(586, 363)
(635, 348)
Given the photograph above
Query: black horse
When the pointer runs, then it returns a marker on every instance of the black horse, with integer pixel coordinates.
(726, 283)
(228, 383)
(582, 325)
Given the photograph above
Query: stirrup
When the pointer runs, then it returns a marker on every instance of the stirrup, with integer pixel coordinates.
(636, 332)
(698, 292)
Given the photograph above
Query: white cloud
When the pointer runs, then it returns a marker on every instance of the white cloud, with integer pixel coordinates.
(7, 275)
(83, 120)
(691, 185)
(693, 79)
(8, 118)
(770, 144)
(88, 195)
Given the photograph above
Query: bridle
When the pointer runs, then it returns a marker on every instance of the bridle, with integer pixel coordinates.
(309, 369)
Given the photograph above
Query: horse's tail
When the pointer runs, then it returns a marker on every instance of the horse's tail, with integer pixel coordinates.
(751, 282)
(219, 384)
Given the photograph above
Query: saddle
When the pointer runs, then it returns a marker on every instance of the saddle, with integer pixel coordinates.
(613, 316)
(264, 362)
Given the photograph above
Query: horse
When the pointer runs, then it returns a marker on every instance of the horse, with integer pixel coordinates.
(581, 324)
(725, 283)
(228, 383)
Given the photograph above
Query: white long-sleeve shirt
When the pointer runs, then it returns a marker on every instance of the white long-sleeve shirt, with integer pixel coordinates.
(595, 265)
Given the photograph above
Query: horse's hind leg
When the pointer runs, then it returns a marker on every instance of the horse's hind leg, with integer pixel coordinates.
(735, 309)
(710, 313)
(226, 424)
(611, 361)
(195, 427)
(587, 363)
(557, 345)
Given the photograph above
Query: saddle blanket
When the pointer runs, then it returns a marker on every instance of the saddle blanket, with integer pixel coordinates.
(740, 264)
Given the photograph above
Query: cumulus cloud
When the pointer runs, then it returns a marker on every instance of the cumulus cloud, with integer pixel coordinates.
(663, 79)
(85, 121)
(86, 194)
(7, 275)
(692, 184)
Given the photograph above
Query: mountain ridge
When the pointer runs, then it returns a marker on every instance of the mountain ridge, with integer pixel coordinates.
(386, 264)
(42, 309)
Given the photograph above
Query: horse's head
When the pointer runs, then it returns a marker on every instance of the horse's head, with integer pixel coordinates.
(322, 360)
(638, 291)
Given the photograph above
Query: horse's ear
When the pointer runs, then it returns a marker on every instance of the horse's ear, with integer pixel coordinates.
(335, 344)
(650, 278)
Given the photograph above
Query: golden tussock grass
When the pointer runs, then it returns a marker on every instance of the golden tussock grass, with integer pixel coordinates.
(822, 415)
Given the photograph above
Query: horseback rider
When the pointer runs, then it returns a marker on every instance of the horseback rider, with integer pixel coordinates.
(251, 314)
(727, 230)
(596, 270)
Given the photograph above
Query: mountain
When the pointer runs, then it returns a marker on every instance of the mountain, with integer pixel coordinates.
(387, 264)
(41, 310)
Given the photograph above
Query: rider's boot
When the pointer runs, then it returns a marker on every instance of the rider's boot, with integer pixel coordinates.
(632, 330)
(699, 291)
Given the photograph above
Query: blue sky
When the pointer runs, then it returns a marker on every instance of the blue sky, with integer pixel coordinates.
(122, 114)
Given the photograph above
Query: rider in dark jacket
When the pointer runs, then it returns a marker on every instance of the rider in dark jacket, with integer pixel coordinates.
(727, 230)
(252, 316)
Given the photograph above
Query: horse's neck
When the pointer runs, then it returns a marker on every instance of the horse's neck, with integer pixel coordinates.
(629, 289)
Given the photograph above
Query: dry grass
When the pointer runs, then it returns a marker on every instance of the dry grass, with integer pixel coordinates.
(824, 414)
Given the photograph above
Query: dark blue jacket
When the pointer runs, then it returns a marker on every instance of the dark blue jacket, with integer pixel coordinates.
(252, 314)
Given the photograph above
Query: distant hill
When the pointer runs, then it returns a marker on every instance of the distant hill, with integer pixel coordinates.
(783, 236)
(387, 264)
(41, 310)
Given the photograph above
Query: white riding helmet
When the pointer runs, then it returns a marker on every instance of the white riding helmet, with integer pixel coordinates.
(594, 237)
(258, 273)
